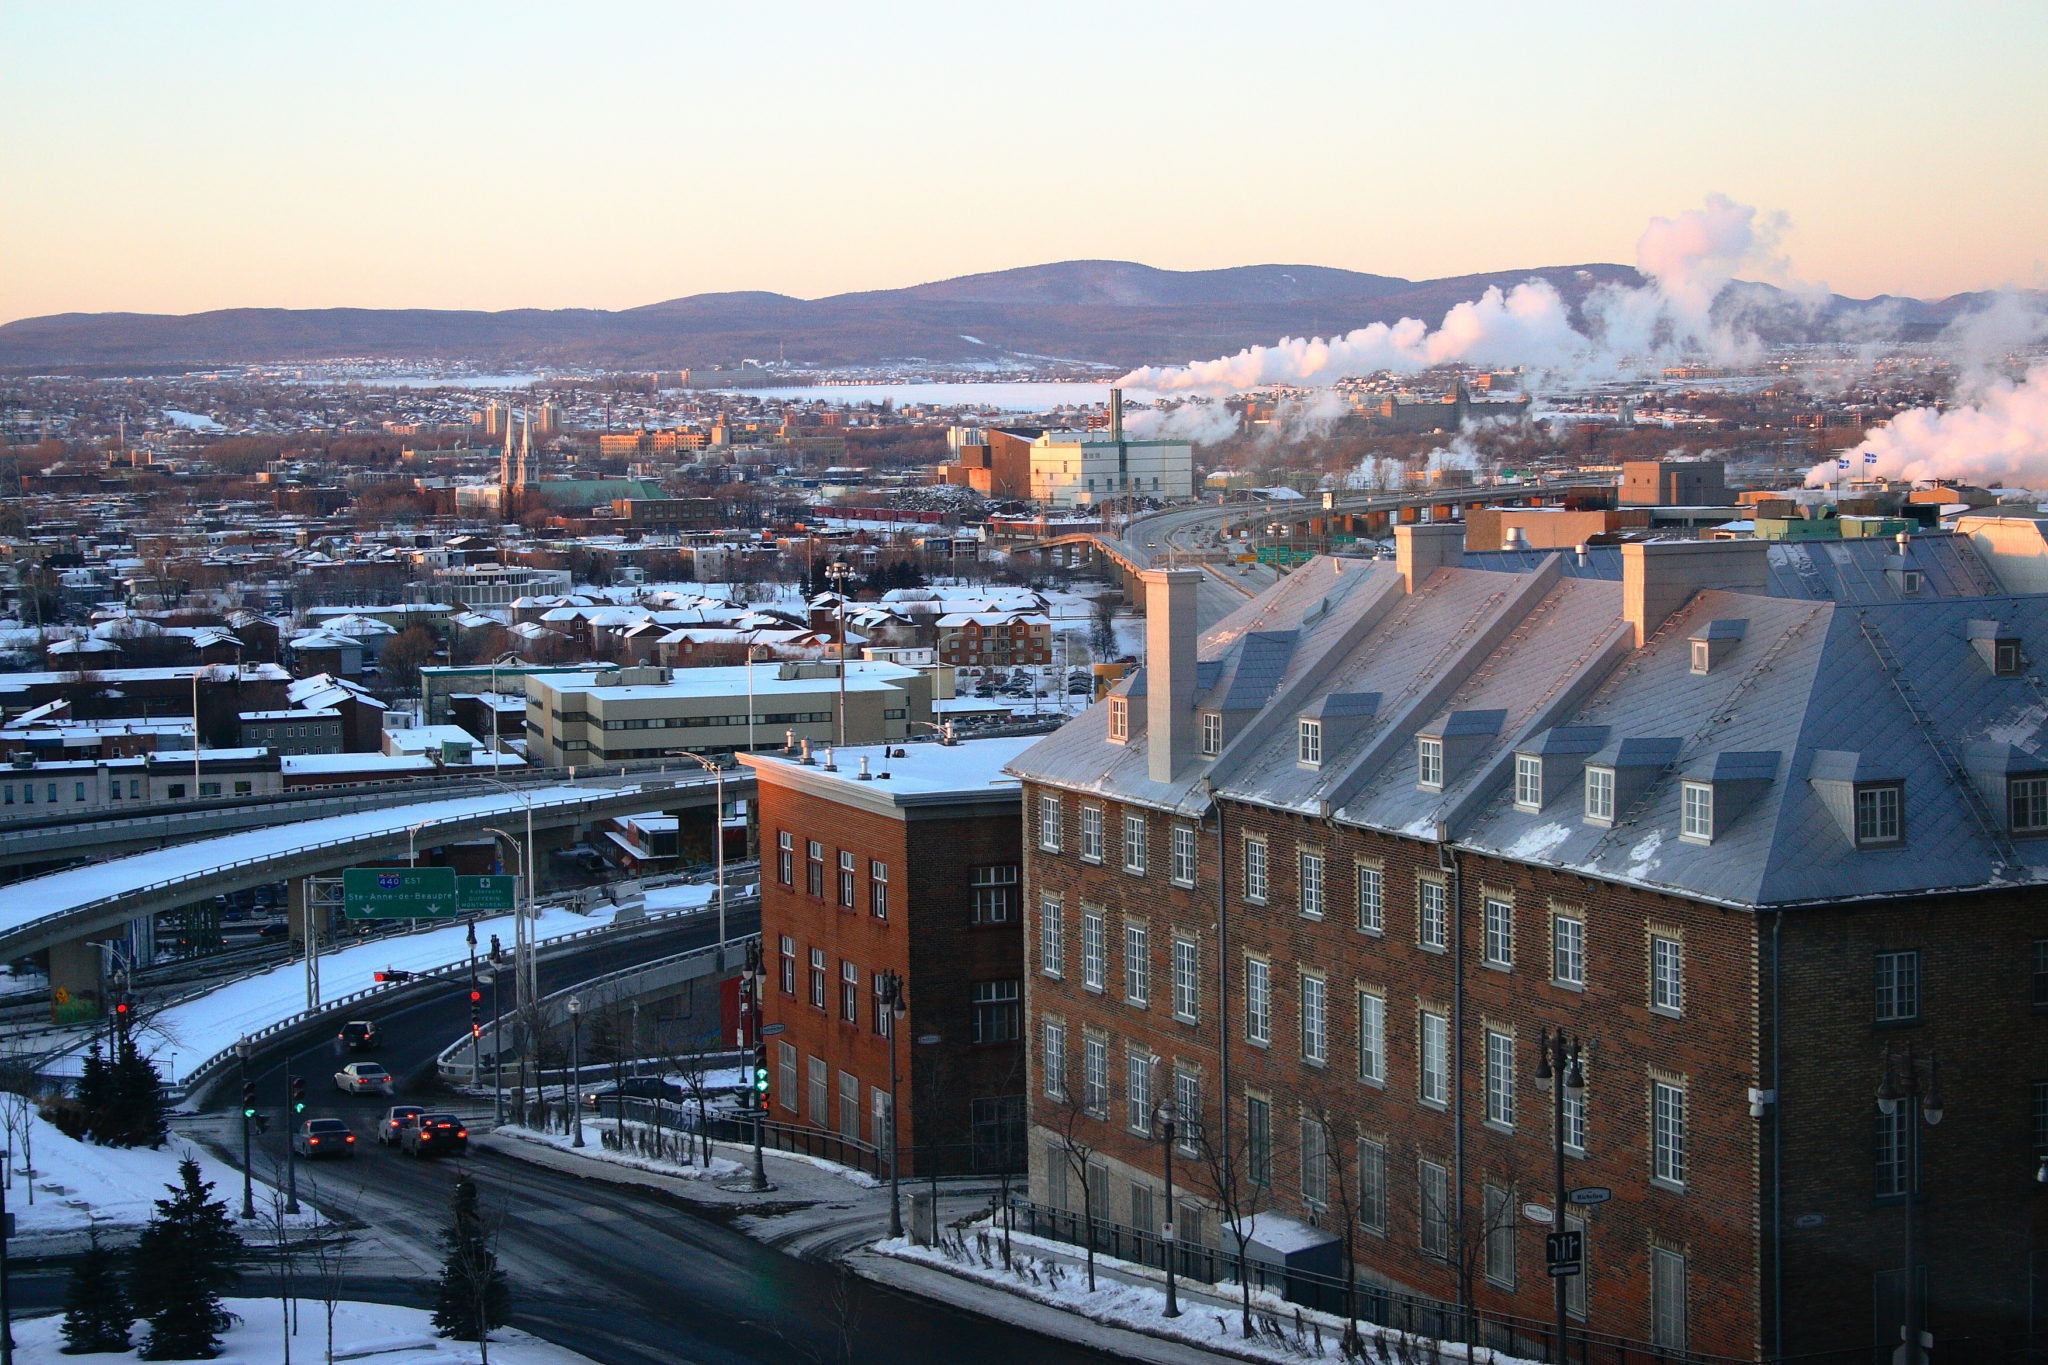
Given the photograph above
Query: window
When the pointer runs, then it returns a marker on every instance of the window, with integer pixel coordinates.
(205, 789)
(878, 889)
(785, 1077)
(1308, 744)
(1137, 964)
(1315, 1164)
(1567, 950)
(1372, 905)
(1095, 1074)
(1434, 1083)
(1315, 1020)
(1094, 952)
(1183, 869)
(2041, 971)
(846, 866)
(1500, 1078)
(1696, 813)
(998, 1011)
(2027, 802)
(1187, 1110)
(1898, 987)
(2005, 658)
(1432, 930)
(1185, 979)
(1372, 1037)
(1212, 733)
(1575, 1285)
(785, 857)
(1134, 845)
(818, 977)
(1258, 1000)
(1052, 936)
(1372, 1184)
(1119, 720)
(1893, 1132)
(1052, 1060)
(1878, 816)
(2040, 1115)
(1575, 1113)
(1433, 1214)
(788, 955)
(1599, 793)
(1500, 933)
(1311, 868)
(1049, 823)
(1528, 782)
(1091, 834)
(995, 893)
(1138, 1091)
(1667, 1299)
(1258, 1140)
(1498, 1210)
(241, 789)
(814, 868)
(78, 791)
(849, 992)
(1429, 762)
(1667, 975)
(1255, 871)
(849, 1105)
(1667, 1129)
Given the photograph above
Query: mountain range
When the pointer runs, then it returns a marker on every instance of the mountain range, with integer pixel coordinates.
(1116, 313)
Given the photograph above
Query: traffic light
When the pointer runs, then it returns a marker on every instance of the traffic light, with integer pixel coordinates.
(298, 1094)
(761, 1075)
(476, 996)
(248, 1099)
(393, 976)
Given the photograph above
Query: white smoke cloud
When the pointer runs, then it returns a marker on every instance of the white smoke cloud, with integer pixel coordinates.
(1998, 440)
(1194, 418)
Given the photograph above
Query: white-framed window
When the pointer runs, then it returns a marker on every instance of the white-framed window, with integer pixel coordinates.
(1372, 1037)
(814, 868)
(1599, 793)
(1311, 869)
(818, 978)
(1667, 974)
(1500, 1078)
(1308, 742)
(1052, 1059)
(1667, 1299)
(785, 857)
(785, 1075)
(1372, 1184)
(1138, 1092)
(1095, 1073)
(1052, 936)
(998, 1011)
(1186, 979)
(1091, 834)
(1575, 1111)
(1497, 1207)
(846, 869)
(1315, 1163)
(1696, 811)
(1187, 1109)
(1183, 851)
(1371, 899)
(1049, 822)
(1258, 1000)
(1880, 815)
(1892, 1132)
(1134, 844)
(849, 991)
(1429, 761)
(1432, 928)
(786, 947)
(1258, 1139)
(1119, 720)
(1898, 987)
(1433, 1078)
(1433, 1214)
(1528, 782)
(995, 889)
(2026, 800)
(1567, 949)
(1667, 1132)
(1094, 952)
(1212, 733)
(1500, 932)
(1137, 964)
(1315, 1020)
(878, 889)
(1255, 871)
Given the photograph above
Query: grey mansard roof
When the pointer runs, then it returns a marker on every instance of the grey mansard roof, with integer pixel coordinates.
(1811, 695)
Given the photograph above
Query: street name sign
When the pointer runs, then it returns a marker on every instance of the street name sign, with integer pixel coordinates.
(1591, 1194)
(399, 893)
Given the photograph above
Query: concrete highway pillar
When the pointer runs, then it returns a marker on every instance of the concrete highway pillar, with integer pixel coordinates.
(75, 980)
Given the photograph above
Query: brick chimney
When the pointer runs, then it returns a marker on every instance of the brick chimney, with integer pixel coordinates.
(1170, 632)
(1660, 577)
(1421, 549)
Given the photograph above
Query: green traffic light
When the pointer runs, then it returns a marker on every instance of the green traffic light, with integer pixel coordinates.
(248, 1113)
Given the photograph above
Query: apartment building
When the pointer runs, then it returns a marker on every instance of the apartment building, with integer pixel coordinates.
(994, 639)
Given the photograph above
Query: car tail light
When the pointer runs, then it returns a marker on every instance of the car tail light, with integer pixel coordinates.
(464, 1132)
(426, 1136)
(314, 1141)
(351, 1137)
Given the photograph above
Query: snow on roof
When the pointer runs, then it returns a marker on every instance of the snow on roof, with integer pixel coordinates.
(972, 766)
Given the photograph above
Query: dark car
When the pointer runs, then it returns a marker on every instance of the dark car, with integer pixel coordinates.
(434, 1135)
(324, 1137)
(634, 1088)
(359, 1035)
(395, 1121)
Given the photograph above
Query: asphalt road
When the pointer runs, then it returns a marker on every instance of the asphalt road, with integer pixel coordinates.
(626, 1275)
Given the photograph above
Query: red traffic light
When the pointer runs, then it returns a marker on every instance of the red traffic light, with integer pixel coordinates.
(121, 1008)
(475, 996)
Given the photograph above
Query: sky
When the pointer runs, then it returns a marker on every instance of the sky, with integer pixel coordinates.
(180, 157)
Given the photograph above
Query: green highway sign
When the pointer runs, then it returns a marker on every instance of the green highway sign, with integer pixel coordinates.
(486, 894)
(399, 893)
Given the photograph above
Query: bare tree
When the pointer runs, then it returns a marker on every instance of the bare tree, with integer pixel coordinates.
(326, 1252)
(1235, 1175)
(1341, 1191)
(1074, 1122)
(692, 1066)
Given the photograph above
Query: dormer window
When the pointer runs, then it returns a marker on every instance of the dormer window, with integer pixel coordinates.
(1880, 814)
(1119, 720)
(1714, 641)
(1528, 783)
(1998, 645)
(2026, 802)
(1212, 733)
(1308, 744)
(1429, 762)
(1696, 812)
(1600, 795)
(2006, 658)
(1702, 656)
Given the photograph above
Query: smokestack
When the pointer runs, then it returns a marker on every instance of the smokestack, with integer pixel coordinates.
(1170, 632)
(1116, 420)
(1421, 549)
(1658, 578)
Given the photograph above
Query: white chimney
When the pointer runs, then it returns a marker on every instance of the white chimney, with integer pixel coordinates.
(1420, 550)
(1659, 577)
(1170, 631)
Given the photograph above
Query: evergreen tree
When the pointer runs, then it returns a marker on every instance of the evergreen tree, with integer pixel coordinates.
(96, 1312)
(135, 1110)
(178, 1268)
(95, 1092)
(473, 1296)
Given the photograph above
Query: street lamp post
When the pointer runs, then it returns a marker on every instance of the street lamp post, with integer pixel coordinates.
(757, 999)
(1169, 1131)
(576, 1067)
(525, 967)
(1559, 1075)
(897, 1006)
(248, 1185)
(839, 571)
(1922, 1100)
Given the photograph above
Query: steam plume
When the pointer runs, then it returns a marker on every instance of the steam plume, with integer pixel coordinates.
(1999, 440)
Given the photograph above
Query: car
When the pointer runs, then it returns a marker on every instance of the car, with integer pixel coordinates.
(323, 1137)
(434, 1135)
(394, 1122)
(363, 1078)
(359, 1035)
(636, 1088)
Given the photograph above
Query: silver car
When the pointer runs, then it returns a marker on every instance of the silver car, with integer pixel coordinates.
(363, 1078)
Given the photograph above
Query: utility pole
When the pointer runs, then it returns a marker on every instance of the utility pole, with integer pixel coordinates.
(248, 1121)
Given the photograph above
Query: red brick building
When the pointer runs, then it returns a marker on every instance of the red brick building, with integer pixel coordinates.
(994, 639)
(905, 860)
(1318, 881)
